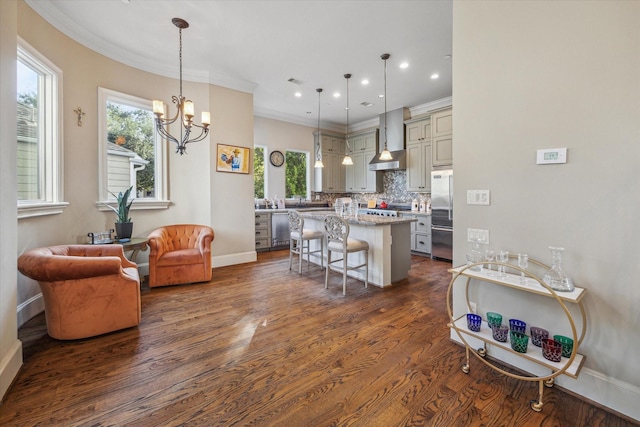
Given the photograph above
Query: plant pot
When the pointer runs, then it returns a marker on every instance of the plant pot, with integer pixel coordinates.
(124, 230)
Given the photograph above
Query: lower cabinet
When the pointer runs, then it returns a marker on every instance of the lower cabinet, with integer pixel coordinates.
(263, 230)
(420, 232)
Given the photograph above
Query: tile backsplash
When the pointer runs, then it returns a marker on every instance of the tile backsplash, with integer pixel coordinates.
(394, 191)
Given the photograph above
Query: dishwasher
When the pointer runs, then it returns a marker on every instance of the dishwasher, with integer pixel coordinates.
(279, 230)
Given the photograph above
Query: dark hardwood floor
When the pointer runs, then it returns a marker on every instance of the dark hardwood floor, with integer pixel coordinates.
(261, 345)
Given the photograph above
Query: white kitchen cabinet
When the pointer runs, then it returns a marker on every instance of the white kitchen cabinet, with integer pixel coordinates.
(420, 232)
(418, 130)
(263, 230)
(419, 152)
(442, 138)
(358, 177)
(330, 178)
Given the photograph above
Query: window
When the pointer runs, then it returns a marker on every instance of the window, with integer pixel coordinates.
(131, 153)
(39, 134)
(296, 174)
(258, 172)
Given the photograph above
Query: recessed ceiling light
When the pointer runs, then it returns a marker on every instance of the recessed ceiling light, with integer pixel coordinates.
(434, 76)
(336, 94)
(447, 57)
(298, 94)
(381, 96)
(404, 65)
(364, 82)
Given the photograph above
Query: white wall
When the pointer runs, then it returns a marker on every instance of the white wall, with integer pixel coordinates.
(283, 136)
(530, 75)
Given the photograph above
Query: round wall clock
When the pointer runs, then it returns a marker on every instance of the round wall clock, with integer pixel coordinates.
(276, 158)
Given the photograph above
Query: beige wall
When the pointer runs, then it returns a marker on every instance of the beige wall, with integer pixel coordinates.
(194, 186)
(532, 75)
(10, 346)
(277, 135)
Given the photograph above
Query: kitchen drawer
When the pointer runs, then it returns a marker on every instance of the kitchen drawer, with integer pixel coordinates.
(421, 243)
(263, 244)
(263, 233)
(423, 225)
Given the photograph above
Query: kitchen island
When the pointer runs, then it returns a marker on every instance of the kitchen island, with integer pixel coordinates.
(389, 241)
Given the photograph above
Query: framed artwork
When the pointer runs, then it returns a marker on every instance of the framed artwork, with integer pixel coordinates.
(230, 158)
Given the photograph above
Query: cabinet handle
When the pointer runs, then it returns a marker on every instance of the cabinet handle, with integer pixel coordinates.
(421, 223)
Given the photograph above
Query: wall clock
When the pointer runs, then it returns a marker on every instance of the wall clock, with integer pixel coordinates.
(276, 158)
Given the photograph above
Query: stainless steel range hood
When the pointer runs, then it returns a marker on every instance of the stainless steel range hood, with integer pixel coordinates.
(395, 141)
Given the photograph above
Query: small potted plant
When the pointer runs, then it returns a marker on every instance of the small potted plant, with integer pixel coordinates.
(124, 226)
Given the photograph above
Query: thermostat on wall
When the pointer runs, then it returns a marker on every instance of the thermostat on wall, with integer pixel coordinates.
(552, 155)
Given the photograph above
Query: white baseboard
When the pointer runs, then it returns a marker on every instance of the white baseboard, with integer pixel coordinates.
(29, 309)
(10, 366)
(612, 393)
(233, 259)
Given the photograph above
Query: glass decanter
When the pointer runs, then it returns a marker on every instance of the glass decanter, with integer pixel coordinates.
(474, 255)
(554, 277)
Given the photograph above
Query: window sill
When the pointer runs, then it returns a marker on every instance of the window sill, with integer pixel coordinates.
(30, 210)
(138, 204)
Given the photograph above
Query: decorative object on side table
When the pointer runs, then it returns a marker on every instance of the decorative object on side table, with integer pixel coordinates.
(124, 226)
(519, 341)
(101, 237)
(500, 332)
(494, 319)
(554, 277)
(473, 322)
(538, 335)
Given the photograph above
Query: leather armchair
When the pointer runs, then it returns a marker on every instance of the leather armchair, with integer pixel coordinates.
(88, 290)
(180, 254)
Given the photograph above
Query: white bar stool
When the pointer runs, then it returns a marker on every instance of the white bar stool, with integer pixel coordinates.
(299, 236)
(337, 231)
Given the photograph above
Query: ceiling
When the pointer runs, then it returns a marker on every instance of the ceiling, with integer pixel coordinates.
(256, 46)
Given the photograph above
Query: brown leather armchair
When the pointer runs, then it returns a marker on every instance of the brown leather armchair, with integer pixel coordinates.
(88, 290)
(179, 254)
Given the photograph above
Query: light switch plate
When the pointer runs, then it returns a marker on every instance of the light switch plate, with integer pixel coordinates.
(479, 197)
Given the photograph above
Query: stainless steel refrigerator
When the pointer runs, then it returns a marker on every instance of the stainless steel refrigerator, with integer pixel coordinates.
(442, 214)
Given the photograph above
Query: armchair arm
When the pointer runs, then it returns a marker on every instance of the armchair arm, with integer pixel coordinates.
(45, 266)
(205, 237)
(101, 251)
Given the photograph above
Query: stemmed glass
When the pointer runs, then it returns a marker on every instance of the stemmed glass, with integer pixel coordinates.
(523, 262)
(503, 256)
(490, 256)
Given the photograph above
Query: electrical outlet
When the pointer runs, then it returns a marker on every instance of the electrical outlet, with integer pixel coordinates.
(473, 307)
(475, 234)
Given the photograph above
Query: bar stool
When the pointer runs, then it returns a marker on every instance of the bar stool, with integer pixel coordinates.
(298, 236)
(337, 231)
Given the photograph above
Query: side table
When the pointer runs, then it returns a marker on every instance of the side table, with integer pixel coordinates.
(134, 245)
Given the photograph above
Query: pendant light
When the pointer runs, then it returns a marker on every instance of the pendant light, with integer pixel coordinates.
(348, 161)
(319, 163)
(184, 111)
(386, 154)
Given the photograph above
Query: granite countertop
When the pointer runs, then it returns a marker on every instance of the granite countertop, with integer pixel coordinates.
(368, 220)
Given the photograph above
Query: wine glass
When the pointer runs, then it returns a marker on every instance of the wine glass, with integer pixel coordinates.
(503, 256)
(523, 262)
(490, 256)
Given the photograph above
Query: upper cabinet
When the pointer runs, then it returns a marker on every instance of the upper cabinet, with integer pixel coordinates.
(442, 138)
(418, 137)
(330, 178)
(418, 131)
(358, 177)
